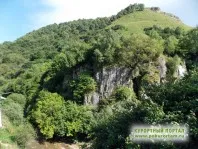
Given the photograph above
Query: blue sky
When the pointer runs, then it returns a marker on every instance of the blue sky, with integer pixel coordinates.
(19, 17)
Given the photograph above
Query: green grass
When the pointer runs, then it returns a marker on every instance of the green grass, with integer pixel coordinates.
(5, 136)
(7, 132)
(136, 22)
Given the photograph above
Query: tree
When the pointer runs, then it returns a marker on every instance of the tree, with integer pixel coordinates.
(171, 45)
(82, 86)
(105, 48)
(14, 58)
(153, 34)
(48, 106)
(138, 52)
(74, 120)
(179, 31)
(179, 101)
(141, 7)
(54, 116)
(172, 65)
(62, 61)
(189, 47)
(115, 121)
(155, 8)
(24, 133)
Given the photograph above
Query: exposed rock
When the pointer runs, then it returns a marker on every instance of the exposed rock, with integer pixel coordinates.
(87, 99)
(92, 98)
(109, 78)
(95, 98)
(181, 71)
(162, 69)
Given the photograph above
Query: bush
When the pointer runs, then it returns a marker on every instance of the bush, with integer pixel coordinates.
(172, 65)
(24, 133)
(13, 111)
(118, 27)
(2, 81)
(124, 93)
(17, 98)
(171, 45)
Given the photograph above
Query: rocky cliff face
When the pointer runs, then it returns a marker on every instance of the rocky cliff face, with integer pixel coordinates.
(109, 78)
(162, 69)
(181, 71)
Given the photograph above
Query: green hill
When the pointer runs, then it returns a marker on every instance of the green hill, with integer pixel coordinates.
(137, 21)
(53, 76)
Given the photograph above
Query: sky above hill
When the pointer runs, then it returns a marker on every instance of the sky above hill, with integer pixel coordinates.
(19, 17)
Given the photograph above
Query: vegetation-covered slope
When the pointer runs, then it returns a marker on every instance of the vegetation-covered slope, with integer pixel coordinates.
(137, 22)
(48, 74)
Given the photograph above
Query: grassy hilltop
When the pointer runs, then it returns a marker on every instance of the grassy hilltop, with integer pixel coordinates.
(137, 21)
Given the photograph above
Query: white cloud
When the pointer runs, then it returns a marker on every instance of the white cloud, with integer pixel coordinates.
(68, 10)
(64, 10)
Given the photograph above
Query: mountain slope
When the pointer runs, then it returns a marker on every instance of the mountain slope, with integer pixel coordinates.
(50, 74)
(137, 21)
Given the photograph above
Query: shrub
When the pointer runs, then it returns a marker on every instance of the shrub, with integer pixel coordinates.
(17, 98)
(118, 27)
(24, 133)
(124, 93)
(13, 111)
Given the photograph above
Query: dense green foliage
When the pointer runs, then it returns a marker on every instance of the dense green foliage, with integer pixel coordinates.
(82, 86)
(48, 106)
(48, 74)
(189, 45)
(128, 10)
(179, 103)
(139, 53)
(18, 128)
(54, 116)
(124, 93)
